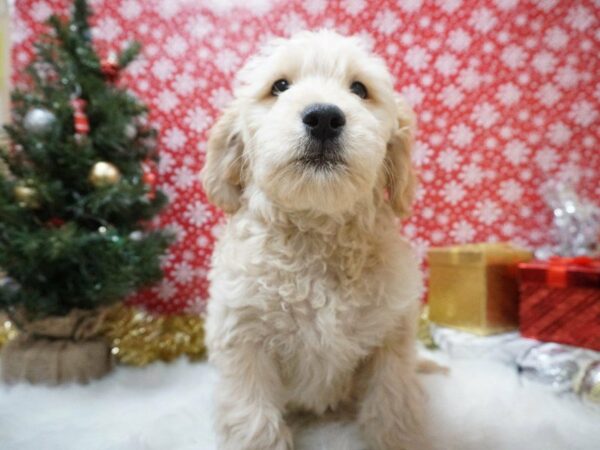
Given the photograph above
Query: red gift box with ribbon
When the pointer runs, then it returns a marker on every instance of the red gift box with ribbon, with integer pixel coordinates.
(560, 301)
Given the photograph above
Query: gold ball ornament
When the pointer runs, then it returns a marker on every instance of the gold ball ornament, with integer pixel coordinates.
(27, 196)
(104, 174)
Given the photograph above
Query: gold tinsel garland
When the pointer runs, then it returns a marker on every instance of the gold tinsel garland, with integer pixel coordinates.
(139, 338)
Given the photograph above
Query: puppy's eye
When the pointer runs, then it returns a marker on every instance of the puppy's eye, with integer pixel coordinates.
(359, 89)
(280, 86)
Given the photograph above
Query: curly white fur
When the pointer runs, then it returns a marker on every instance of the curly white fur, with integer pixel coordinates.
(313, 293)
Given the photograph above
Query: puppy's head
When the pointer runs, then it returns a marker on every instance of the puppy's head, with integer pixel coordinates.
(315, 125)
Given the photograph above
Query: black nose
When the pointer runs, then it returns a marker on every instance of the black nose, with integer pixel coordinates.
(323, 121)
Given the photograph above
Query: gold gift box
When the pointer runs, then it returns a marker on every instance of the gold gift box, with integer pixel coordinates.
(473, 287)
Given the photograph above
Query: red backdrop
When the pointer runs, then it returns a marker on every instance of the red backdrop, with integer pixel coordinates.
(507, 93)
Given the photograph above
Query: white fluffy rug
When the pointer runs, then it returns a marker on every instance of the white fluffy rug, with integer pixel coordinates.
(480, 405)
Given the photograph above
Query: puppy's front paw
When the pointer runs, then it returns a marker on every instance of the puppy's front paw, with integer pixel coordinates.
(257, 432)
(393, 422)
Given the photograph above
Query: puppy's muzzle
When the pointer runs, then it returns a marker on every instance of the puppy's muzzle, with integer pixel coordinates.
(324, 124)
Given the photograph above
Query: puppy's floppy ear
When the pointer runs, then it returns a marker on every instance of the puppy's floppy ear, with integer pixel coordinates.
(222, 173)
(400, 175)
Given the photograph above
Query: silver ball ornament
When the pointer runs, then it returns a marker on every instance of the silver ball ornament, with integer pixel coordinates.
(130, 131)
(39, 120)
(136, 235)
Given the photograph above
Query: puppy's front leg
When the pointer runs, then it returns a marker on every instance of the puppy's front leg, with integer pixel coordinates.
(250, 402)
(391, 410)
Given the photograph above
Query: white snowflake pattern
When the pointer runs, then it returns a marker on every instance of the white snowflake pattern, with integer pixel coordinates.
(510, 190)
(163, 69)
(314, 6)
(589, 141)
(353, 7)
(106, 29)
(571, 171)
(459, 40)
(421, 153)
(437, 236)
(183, 273)
(185, 178)
(40, 11)
(451, 96)
(546, 158)
(410, 5)
(420, 247)
(217, 230)
(449, 5)
(174, 138)
(197, 119)
(548, 94)
(169, 8)
(130, 9)
(197, 306)
(366, 39)
(417, 58)
(138, 67)
(199, 26)
(516, 152)
(165, 163)
(556, 38)
(558, 133)
(228, 61)
(487, 211)
(197, 213)
(166, 290)
(462, 232)
(508, 94)
(513, 56)
(453, 192)
(169, 190)
(166, 101)
(546, 5)
(176, 46)
(583, 113)
(386, 22)
(469, 79)
(413, 94)
(506, 4)
(461, 135)
(508, 229)
(567, 76)
(580, 18)
(446, 64)
(409, 230)
(482, 20)
(544, 62)
(449, 159)
(485, 115)
(428, 213)
(220, 98)
(184, 84)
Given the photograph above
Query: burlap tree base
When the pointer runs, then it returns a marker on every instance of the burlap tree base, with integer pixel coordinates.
(58, 350)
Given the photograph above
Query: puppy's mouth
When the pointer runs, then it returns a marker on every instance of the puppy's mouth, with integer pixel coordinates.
(321, 155)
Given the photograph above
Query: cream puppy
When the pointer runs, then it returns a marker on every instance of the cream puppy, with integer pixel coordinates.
(314, 295)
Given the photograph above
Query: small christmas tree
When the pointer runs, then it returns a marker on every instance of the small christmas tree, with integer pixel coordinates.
(80, 191)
